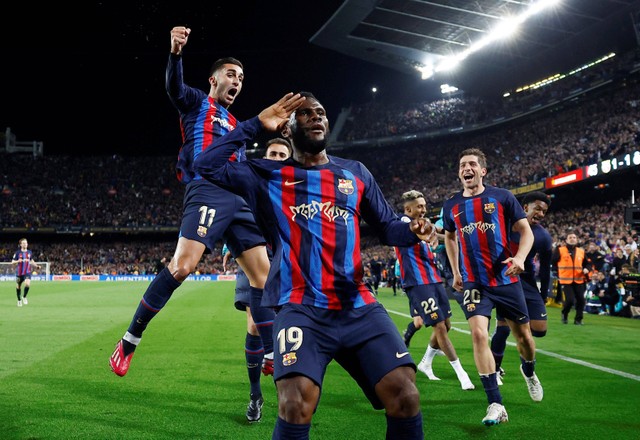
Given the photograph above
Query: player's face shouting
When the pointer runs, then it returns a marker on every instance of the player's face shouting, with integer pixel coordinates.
(228, 82)
(470, 172)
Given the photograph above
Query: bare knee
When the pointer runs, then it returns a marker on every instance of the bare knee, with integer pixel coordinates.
(479, 337)
(180, 268)
(398, 393)
(255, 264)
(538, 328)
(297, 399)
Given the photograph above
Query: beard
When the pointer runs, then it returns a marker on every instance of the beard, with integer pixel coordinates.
(309, 146)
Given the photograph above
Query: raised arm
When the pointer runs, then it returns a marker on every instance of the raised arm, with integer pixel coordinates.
(180, 94)
(212, 162)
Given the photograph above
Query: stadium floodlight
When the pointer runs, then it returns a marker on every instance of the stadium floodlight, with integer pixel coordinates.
(539, 7)
(450, 63)
(446, 88)
(426, 71)
(507, 27)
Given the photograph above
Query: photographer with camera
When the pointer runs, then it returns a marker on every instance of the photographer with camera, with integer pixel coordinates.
(629, 291)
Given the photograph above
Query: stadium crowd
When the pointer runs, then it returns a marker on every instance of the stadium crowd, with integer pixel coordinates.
(524, 151)
(376, 119)
(113, 192)
(74, 194)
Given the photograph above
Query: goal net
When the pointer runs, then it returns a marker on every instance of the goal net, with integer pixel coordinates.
(8, 271)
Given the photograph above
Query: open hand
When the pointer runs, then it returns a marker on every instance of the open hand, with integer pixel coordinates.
(274, 117)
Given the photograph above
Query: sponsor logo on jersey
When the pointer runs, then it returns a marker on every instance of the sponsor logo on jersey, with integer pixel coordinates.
(327, 209)
(223, 123)
(480, 226)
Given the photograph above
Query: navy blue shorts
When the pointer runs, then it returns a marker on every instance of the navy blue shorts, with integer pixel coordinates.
(243, 291)
(508, 301)
(211, 214)
(430, 302)
(536, 307)
(364, 341)
(21, 278)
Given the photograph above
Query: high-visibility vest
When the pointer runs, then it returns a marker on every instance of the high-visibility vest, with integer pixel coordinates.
(570, 270)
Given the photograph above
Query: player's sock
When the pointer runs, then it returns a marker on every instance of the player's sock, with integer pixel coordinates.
(253, 353)
(490, 384)
(499, 343)
(457, 367)
(286, 430)
(129, 343)
(430, 354)
(409, 332)
(263, 318)
(528, 367)
(26, 290)
(153, 300)
(398, 428)
(19, 294)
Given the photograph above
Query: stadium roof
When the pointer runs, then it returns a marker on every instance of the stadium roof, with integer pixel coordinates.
(405, 34)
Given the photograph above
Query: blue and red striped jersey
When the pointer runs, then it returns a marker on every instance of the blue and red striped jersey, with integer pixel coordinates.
(542, 247)
(23, 267)
(417, 264)
(311, 218)
(483, 226)
(202, 120)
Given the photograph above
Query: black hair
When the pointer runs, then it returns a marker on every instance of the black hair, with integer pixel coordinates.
(222, 61)
(308, 95)
(536, 195)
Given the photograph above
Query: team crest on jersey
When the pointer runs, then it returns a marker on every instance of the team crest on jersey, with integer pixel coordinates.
(345, 186)
(289, 359)
(434, 316)
(489, 208)
(202, 231)
(471, 307)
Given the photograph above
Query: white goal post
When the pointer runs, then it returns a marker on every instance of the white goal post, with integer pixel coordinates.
(43, 273)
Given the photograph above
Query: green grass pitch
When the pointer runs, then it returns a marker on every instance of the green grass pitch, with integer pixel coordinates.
(188, 379)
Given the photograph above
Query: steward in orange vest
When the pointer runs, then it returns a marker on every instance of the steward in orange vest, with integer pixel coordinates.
(570, 263)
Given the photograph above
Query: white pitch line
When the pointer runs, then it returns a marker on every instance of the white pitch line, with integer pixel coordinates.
(545, 352)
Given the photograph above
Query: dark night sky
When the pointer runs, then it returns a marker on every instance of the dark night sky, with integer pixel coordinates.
(90, 80)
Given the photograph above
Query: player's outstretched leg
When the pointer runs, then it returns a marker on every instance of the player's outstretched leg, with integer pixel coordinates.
(153, 300)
